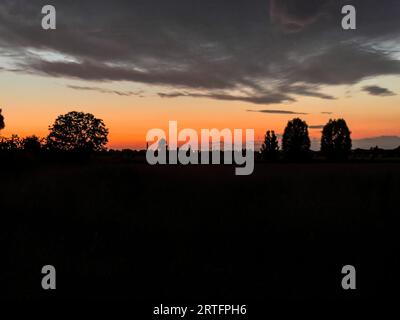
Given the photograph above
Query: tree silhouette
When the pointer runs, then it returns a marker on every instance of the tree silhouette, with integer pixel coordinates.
(32, 144)
(336, 140)
(78, 131)
(2, 124)
(270, 148)
(10, 144)
(295, 141)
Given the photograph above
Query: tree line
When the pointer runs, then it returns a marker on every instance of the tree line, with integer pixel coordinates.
(336, 141)
(73, 132)
(81, 132)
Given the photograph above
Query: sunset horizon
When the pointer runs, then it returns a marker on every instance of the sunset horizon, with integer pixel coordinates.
(168, 154)
(128, 126)
(226, 79)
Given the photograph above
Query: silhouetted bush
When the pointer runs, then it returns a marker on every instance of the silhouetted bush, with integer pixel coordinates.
(336, 140)
(10, 150)
(32, 144)
(10, 144)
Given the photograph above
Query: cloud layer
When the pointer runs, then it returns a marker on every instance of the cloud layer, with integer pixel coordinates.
(277, 112)
(255, 51)
(102, 90)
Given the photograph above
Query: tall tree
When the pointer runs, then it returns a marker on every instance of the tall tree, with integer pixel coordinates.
(270, 148)
(78, 131)
(296, 141)
(336, 140)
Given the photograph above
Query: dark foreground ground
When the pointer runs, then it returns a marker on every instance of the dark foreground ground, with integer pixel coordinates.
(195, 234)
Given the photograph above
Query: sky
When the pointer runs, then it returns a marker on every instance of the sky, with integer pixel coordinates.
(204, 63)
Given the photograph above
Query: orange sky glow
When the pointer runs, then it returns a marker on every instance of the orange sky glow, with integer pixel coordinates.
(31, 103)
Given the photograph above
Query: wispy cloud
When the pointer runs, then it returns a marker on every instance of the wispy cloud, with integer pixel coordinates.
(378, 91)
(277, 112)
(107, 91)
(264, 98)
(319, 126)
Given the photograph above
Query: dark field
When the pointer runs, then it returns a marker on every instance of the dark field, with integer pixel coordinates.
(192, 234)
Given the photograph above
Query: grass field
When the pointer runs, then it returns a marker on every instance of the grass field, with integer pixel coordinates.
(199, 233)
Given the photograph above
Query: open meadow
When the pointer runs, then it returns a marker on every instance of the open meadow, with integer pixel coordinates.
(175, 233)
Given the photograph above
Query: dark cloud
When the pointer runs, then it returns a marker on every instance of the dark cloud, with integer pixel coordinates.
(378, 91)
(332, 66)
(305, 90)
(108, 91)
(319, 126)
(226, 49)
(265, 98)
(277, 112)
(294, 15)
